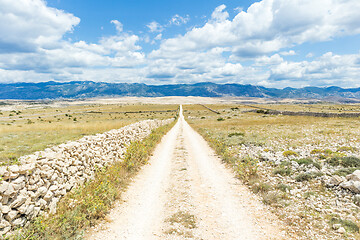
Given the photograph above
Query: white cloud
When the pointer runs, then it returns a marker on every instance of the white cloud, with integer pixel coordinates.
(118, 25)
(238, 9)
(158, 37)
(36, 50)
(329, 69)
(179, 20)
(271, 25)
(289, 53)
(26, 25)
(155, 27)
(219, 14)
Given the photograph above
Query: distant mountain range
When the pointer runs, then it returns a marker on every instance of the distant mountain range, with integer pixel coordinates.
(88, 89)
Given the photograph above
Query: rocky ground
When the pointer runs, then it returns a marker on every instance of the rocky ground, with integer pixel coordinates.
(314, 187)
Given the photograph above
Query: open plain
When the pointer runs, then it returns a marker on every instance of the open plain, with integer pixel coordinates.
(276, 176)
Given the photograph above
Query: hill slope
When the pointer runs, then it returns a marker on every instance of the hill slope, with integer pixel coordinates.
(88, 89)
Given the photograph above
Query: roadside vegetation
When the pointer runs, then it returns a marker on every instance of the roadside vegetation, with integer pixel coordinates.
(26, 128)
(289, 162)
(86, 205)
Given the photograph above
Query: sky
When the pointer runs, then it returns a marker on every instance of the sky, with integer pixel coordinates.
(271, 43)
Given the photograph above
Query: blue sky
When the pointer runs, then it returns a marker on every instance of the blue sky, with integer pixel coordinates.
(273, 43)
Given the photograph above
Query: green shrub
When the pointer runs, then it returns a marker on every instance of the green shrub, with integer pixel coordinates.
(344, 161)
(220, 119)
(271, 198)
(282, 171)
(283, 187)
(307, 176)
(246, 168)
(260, 187)
(236, 134)
(346, 149)
(308, 161)
(349, 225)
(345, 171)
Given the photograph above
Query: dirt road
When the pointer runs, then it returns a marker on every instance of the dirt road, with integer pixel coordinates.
(185, 192)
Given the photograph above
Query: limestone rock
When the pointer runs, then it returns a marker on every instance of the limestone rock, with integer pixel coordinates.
(355, 176)
(48, 196)
(11, 215)
(41, 192)
(351, 185)
(336, 180)
(18, 201)
(30, 210)
(5, 209)
(19, 222)
(4, 186)
(5, 227)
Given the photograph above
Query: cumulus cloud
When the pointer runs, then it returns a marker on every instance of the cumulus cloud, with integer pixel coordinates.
(329, 69)
(271, 25)
(179, 20)
(33, 48)
(118, 25)
(219, 14)
(155, 27)
(288, 53)
(30, 25)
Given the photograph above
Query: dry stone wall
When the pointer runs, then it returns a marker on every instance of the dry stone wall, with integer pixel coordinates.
(37, 184)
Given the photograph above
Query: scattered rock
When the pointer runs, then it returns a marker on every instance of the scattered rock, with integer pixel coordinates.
(355, 176)
(336, 226)
(336, 180)
(341, 230)
(351, 185)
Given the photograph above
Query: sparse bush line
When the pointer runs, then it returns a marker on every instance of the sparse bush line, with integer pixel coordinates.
(84, 206)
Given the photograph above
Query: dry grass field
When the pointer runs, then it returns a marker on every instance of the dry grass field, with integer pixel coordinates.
(290, 161)
(26, 128)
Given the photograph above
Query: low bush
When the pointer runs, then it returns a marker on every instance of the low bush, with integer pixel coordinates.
(349, 225)
(283, 187)
(307, 176)
(308, 161)
(282, 171)
(260, 187)
(344, 161)
(246, 168)
(345, 171)
(236, 134)
(290, 153)
(346, 149)
(272, 198)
